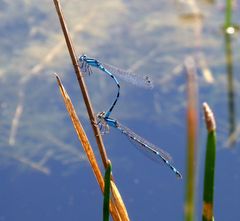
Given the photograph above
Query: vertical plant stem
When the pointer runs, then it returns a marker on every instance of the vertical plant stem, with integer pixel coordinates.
(230, 82)
(82, 84)
(119, 214)
(107, 187)
(192, 123)
(117, 207)
(228, 14)
(208, 192)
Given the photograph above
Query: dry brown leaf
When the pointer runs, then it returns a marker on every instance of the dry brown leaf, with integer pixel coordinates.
(88, 149)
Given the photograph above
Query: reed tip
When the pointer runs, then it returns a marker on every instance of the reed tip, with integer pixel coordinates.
(209, 118)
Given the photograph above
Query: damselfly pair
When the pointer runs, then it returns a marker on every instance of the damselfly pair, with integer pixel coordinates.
(104, 118)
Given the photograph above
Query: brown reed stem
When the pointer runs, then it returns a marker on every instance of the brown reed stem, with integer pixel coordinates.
(82, 84)
(87, 147)
(192, 122)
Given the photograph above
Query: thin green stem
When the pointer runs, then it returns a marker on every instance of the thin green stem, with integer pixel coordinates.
(228, 14)
(107, 185)
(208, 192)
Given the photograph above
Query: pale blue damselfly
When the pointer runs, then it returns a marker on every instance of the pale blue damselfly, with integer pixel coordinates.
(155, 152)
(86, 63)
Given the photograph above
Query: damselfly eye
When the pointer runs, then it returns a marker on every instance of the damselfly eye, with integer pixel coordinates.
(82, 57)
(101, 114)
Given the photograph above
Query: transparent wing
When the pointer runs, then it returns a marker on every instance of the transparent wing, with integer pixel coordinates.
(156, 153)
(136, 79)
(144, 145)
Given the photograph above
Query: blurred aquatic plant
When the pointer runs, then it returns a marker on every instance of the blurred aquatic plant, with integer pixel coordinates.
(228, 14)
(230, 82)
(229, 26)
(192, 124)
(208, 193)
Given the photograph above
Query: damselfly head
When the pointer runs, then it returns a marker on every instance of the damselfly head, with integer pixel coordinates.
(82, 57)
(101, 115)
(83, 64)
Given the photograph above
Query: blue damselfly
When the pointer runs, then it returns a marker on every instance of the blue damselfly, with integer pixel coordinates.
(143, 144)
(86, 63)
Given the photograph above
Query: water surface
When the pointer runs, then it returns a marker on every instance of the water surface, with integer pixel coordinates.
(44, 174)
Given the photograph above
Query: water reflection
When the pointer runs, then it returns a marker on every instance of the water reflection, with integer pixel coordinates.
(161, 55)
(148, 37)
(34, 55)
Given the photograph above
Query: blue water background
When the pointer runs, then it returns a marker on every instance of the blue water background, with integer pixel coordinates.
(44, 174)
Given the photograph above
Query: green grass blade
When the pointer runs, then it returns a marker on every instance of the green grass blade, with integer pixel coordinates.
(208, 193)
(106, 200)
